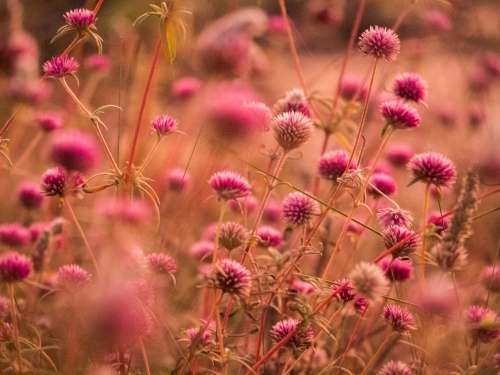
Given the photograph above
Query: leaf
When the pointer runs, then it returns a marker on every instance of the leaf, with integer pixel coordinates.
(168, 39)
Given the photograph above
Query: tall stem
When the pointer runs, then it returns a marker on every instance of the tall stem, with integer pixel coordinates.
(424, 233)
(148, 158)
(78, 226)
(29, 149)
(220, 337)
(13, 313)
(141, 111)
(381, 346)
(217, 232)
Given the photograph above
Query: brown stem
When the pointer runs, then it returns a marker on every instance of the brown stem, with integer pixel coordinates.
(368, 365)
(424, 233)
(13, 314)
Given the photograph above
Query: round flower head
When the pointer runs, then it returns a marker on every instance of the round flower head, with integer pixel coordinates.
(29, 195)
(396, 269)
(233, 235)
(178, 179)
(379, 43)
(394, 216)
(58, 182)
(205, 337)
(201, 248)
(482, 323)
(272, 212)
(333, 164)
(360, 304)
(440, 224)
(369, 280)
(395, 368)
(353, 88)
(432, 168)
(98, 62)
(186, 87)
(410, 87)
(302, 339)
(294, 101)
(80, 18)
(302, 286)
(399, 318)
(399, 154)
(14, 267)
(490, 277)
(164, 125)
(229, 185)
(292, 129)
(60, 66)
(399, 114)
(74, 150)
(381, 183)
(261, 113)
(72, 276)
(14, 235)
(161, 264)
(395, 234)
(231, 277)
(298, 209)
(268, 236)
(48, 121)
(346, 294)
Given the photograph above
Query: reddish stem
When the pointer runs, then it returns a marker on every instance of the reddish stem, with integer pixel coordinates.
(141, 112)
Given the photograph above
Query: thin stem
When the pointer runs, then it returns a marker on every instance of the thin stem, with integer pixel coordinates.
(424, 233)
(13, 314)
(78, 226)
(219, 332)
(368, 365)
(217, 232)
(29, 149)
(144, 356)
(148, 158)
(141, 112)
(98, 6)
(96, 126)
(402, 15)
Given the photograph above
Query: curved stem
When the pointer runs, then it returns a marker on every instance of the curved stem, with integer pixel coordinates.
(424, 233)
(78, 226)
(381, 346)
(141, 111)
(148, 158)
(13, 313)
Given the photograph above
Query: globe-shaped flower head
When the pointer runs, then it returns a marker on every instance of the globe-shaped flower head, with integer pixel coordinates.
(80, 18)
(294, 101)
(161, 264)
(380, 43)
(399, 114)
(164, 125)
(58, 182)
(395, 368)
(333, 164)
(74, 150)
(229, 185)
(399, 318)
(394, 216)
(302, 339)
(482, 323)
(292, 129)
(14, 267)
(432, 168)
(410, 87)
(298, 209)
(231, 277)
(395, 234)
(60, 66)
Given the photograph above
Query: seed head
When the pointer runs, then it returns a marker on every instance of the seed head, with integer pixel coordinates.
(410, 87)
(395, 368)
(229, 185)
(379, 43)
(80, 18)
(60, 66)
(432, 168)
(164, 125)
(14, 267)
(298, 209)
(333, 164)
(482, 323)
(231, 277)
(233, 235)
(396, 269)
(161, 264)
(399, 318)
(29, 195)
(294, 101)
(58, 182)
(399, 114)
(72, 276)
(292, 129)
(381, 183)
(394, 216)
(369, 280)
(395, 234)
(302, 339)
(74, 150)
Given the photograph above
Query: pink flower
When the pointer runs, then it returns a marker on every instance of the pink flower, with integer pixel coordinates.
(74, 150)
(29, 195)
(72, 276)
(380, 43)
(98, 62)
(432, 168)
(298, 209)
(438, 20)
(395, 234)
(410, 87)
(178, 179)
(164, 125)
(229, 185)
(49, 121)
(294, 101)
(399, 114)
(14, 235)
(201, 248)
(161, 264)
(60, 66)
(59, 182)
(399, 154)
(353, 88)
(396, 269)
(14, 267)
(292, 130)
(482, 323)
(390, 216)
(80, 18)
(204, 338)
(369, 280)
(395, 368)
(381, 183)
(347, 293)
(186, 87)
(231, 277)
(233, 235)
(269, 236)
(399, 318)
(302, 339)
(333, 164)
(302, 286)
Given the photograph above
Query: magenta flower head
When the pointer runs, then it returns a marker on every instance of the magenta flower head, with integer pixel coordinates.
(60, 66)
(59, 182)
(29, 195)
(161, 264)
(353, 88)
(233, 235)
(48, 121)
(396, 269)
(201, 248)
(399, 154)
(369, 280)
(302, 339)
(229, 185)
(347, 293)
(440, 224)
(98, 62)
(333, 164)
(399, 318)
(395, 234)
(74, 150)
(164, 125)
(294, 101)
(292, 129)
(302, 287)
(272, 212)
(14, 235)
(394, 216)
(14, 267)
(80, 18)
(379, 43)
(432, 168)
(410, 87)
(490, 277)
(248, 203)
(381, 184)
(395, 368)
(72, 276)
(482, 324)
(231, 277)
(178, 179)
(205, 337)
(399, 114)
(186, 87)
(299, 210)
(268, 236)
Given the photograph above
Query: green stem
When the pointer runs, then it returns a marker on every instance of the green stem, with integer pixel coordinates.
(15, 328)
